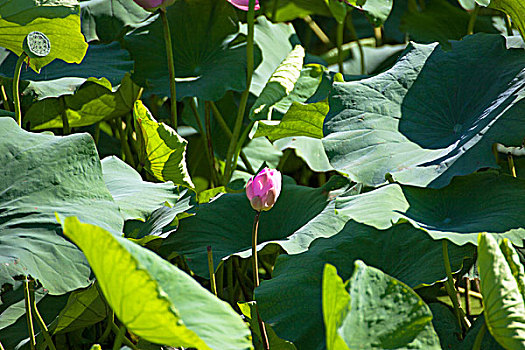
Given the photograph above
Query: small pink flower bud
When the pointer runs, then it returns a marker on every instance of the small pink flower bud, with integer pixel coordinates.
(264, 188)
(153, 5)
(243, 4)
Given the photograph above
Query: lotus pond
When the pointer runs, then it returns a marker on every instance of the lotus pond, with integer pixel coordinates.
(262, 174)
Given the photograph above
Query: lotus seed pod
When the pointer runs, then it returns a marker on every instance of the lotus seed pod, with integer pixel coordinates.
(36, 45)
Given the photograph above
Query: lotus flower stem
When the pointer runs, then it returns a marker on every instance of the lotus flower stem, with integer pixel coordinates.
(317, 30)
(212, 270)
(171, 66)
(479, 337)
(16, 89)
(255, 266)
(472, 20)
(508, 24)
(234, 142)
(211, 157)
(119, 336)
(39, 320)
(451, 289)
(5, 105)
(29, 315)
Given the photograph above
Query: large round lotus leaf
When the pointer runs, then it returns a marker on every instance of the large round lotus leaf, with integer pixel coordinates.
(482, 202)
(209, 58)
(109, 20)
(154, 299)
(58, 20)
(47, 175)
(434, 115)
(294, 292)
(300, 215)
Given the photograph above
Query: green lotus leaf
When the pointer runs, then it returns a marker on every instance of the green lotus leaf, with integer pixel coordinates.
(48, 175)
(275, 40)
(294, 292)
(137, 199)
(107, 21)
(58, 20)
(153, 298)
(300, 120)
(308, 149)
(226, 223)
(421, 121)
(280, 84)
(377, 312)
(457, 212)
(502, 286)
(209, 58)
(164, 150)
(92, 102)
(84, 308)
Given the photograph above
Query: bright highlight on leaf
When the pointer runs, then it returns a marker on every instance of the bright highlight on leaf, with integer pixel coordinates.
(153, 298)
(164, 151)
(503, 289)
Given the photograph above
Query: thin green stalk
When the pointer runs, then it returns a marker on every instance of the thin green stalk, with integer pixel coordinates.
(472, 20)
(317, 31)
(123, 339)
(339, 42)
(171, 67)
(451, 289)
(244, 98)
(118, 339)
(39, 320)
(128, 157)
(353, 34)
(378, 33)
(16, 88)
(212, 271)
(512, 168)
(479, 337)
(508, 24)
(205, 141)
(6, 102)
(238, 149)
(255, 267)
(110, 321)
(222, 123)
(29, 315)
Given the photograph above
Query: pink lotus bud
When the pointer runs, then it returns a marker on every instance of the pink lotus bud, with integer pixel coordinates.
(153, 5)
(264, 188)
(243, 4)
